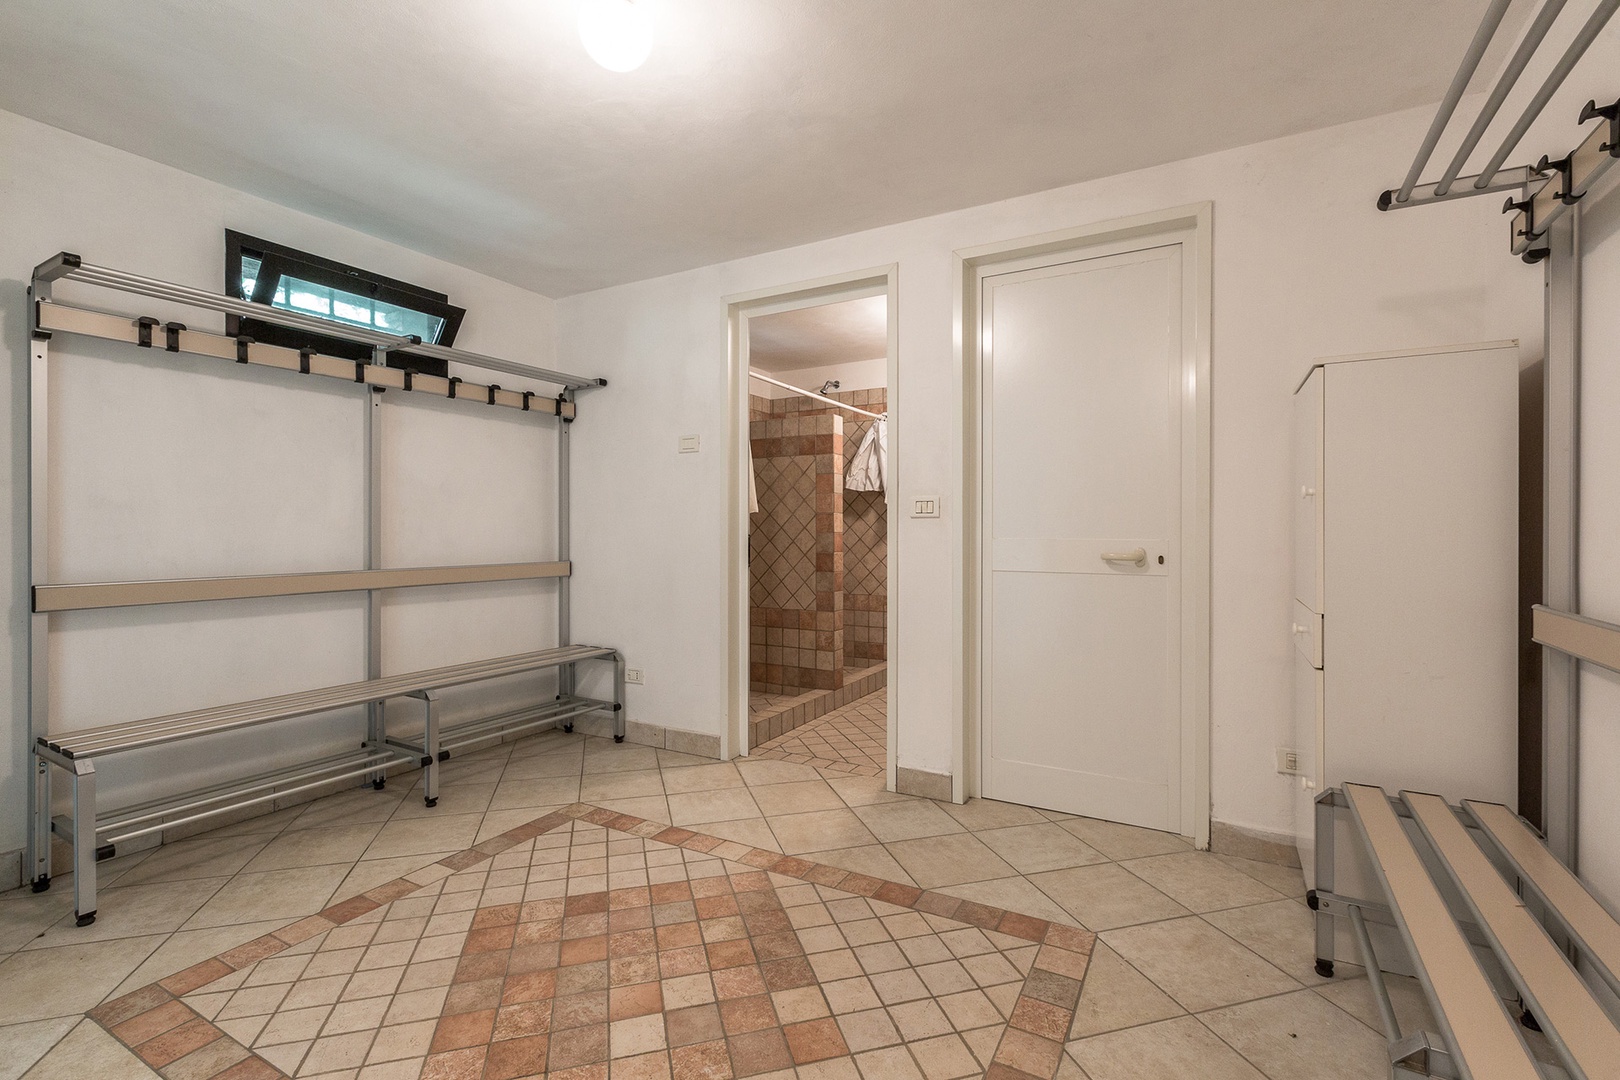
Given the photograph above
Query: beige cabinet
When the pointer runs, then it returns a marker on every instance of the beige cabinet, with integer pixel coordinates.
(1404, 614)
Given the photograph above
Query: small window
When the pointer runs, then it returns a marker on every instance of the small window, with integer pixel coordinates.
(293, 280)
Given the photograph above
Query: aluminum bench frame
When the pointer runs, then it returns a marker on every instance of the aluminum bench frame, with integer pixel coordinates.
(1487, 963)
(95, 836)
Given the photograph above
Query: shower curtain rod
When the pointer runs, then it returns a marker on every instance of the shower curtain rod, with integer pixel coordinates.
(834, 402)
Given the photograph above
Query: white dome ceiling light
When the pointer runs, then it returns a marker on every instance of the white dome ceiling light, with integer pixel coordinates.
(618, 34)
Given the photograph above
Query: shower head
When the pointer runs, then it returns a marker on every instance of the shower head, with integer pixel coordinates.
(829, 386)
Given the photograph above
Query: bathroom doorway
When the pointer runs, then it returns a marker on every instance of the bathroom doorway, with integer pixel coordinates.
(816, 451)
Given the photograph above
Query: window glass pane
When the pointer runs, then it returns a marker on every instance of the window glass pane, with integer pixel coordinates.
(354, 309)
(250, 275)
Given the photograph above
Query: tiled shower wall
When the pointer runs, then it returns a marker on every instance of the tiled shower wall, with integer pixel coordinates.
(795, 555)
(861, 626)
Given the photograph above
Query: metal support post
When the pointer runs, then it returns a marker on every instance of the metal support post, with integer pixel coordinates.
(618, 697)
(565, 674)
(39, 709)
(430, 747)
(1560, 679)
(1324, 882)
(374, 432)
(84, 841)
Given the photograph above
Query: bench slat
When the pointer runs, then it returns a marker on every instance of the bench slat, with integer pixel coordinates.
(1563, 999)
(1589, 920)
(1475, 1024)
(112, 738)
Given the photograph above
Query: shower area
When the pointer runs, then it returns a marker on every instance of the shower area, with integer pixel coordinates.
(818, 537)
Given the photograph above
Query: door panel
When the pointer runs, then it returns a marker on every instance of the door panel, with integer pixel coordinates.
(1307, 492)
(1082, 429)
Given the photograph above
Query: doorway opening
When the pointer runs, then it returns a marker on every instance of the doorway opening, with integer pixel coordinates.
(814, 447)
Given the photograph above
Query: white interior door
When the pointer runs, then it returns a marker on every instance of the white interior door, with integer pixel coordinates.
(1082, 582)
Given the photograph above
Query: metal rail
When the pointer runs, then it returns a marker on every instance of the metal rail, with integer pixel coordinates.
(115, 594)
(834, 402)
(69, 267)
(1592, 640)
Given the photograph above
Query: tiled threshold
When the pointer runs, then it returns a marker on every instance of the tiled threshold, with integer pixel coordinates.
(777, 721)
(582, 985)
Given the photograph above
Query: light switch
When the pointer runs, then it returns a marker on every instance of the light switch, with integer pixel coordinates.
(689, 444)
(925, 508)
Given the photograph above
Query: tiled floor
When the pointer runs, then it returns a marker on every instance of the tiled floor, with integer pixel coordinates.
(851, 740)
(1203, 965)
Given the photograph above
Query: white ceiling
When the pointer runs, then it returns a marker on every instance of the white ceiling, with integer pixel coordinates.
(819, 336)
(478, 131)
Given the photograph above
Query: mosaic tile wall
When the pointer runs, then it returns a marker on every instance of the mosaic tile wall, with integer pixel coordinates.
(795, 555)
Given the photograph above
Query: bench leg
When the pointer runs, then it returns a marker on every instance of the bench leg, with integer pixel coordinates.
(618, 697)
(39, 832)
(84, 842)
(1324, 883)
(430, 748)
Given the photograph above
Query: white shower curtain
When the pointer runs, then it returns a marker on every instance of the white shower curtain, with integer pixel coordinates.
(753, 490)
(869, 471)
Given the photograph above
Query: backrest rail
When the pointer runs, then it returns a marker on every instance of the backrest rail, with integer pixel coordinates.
(1588, 1043)
(178, 725)
(1484, 1039)
(1587, 919)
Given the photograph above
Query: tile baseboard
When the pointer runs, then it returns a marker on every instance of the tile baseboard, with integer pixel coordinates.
(922, 783)
(1261, 845)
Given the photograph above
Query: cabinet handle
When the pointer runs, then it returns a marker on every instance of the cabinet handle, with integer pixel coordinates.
(1307, 492)
(1298, 629)
(1135, 555)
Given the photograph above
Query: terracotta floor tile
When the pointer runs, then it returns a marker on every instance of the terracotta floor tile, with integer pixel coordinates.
(814, 1040)
(579, 1046)
(759, 1052)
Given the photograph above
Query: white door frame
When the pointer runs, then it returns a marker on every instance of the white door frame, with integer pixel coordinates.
(740, 308)
(1191, 227)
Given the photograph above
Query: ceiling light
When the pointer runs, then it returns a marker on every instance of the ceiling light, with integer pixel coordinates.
(618, 34)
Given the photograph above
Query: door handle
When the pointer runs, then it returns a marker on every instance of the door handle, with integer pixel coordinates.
(1135, 555)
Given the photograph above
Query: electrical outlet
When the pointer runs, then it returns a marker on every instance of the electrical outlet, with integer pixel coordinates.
(632, 675)
(1287, 761)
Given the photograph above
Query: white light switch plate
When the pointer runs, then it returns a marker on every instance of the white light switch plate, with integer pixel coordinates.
(689, 444)
(926, 507)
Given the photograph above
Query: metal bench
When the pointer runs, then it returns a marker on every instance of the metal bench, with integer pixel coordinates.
(1486, 963)
(96, 835)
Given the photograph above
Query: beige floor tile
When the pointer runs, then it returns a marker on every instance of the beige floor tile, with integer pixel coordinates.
(88, 1051)
(762, 771)
(21, 1045)
(1124, 841)
(1116, 995)
(674, 759)
(864, 790)
(1196, 964)
(136, 911)
(1029, 849)
(1283, 932)
(1200, 882)
(700, 777)
(537, 791)
(355, 807)
(1287, 880)
(187, 947)
(724, 804)
(205, 857)
(630, 784)
(990, 814)
(603, 755)
(370, 873)
(278, 894)
(651, 807)
(69, 979)
(953, 859)
(250, 823)
(455, 799)
(498, 821)
(798, 833)
(1105, 896)
(1014, 894)
(752, 831)
(420, 836)
(1301, 1036)
(871, 859)
(1351, 992)
(909, 820)
(1171, 1048)
(542, 765)
(315, 847)
(25, 915)
(797, 798)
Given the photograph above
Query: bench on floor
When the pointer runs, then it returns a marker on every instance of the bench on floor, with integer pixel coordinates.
(1456, 881)
(95, 835)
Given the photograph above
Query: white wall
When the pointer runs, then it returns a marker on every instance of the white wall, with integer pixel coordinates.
(180, 466)
(1304, 267)
(851, 375)
(1599, 794)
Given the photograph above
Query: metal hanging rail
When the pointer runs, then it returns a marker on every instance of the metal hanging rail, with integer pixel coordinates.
(1592, 640)
(801, 391)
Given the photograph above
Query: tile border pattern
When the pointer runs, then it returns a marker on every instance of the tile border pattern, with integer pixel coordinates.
(180, 1044)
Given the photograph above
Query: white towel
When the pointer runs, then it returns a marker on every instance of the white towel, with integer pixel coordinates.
(753, 490)
(869, 471)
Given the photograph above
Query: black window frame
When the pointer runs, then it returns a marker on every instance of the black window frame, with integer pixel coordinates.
(280, 259)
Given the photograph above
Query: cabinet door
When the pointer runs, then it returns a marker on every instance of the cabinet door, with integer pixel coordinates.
(1307, 491)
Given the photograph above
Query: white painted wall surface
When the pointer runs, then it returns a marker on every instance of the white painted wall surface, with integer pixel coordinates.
(1599, 845)
(169, 465)
(1304, 267)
